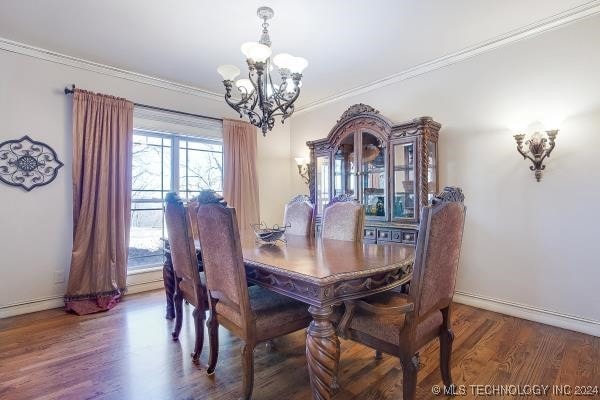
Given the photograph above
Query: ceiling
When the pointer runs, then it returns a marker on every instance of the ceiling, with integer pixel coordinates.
(346, 43)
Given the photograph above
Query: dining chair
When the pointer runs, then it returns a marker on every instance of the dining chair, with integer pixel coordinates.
(400, 324)
(343, 219)
(254, 314)
(298, 216)
(189, 281)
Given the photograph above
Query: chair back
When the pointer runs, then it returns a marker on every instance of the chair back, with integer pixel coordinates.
(192, 208)
(298, 215)
(222, 255)
(181, 243)
(438, 252)
(343, 219)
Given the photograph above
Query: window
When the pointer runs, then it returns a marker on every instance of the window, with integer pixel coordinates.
(162, 163)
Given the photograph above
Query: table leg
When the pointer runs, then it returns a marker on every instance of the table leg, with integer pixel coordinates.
(169, 281)
(322, 353)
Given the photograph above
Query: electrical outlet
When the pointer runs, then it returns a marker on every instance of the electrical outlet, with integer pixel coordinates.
(59, 276)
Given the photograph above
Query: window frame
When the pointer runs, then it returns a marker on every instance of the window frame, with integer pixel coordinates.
(174, 181)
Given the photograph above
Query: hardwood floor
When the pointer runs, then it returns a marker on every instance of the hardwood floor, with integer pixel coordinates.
(128, 353)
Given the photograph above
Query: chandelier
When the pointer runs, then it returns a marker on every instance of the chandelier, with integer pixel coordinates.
(262, 97)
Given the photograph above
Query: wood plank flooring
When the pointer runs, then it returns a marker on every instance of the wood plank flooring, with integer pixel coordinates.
(127, 354)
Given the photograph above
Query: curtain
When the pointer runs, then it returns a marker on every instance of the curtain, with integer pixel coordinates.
(102, 143)
(240, 180)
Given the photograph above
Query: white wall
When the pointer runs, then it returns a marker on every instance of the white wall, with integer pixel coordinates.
(274, 175)
(36, 227)
(528, 247)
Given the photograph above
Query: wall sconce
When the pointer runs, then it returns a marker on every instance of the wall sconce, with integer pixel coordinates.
(303, 169)
(537, 148)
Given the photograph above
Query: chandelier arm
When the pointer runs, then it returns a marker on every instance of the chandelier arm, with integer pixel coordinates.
(523, 153)
(252, 81)
(234, 105)
(259, 85)
(254, 118)
(292, 100)
(285, 116)
(238, 106)
(276, 93)
(549, 149)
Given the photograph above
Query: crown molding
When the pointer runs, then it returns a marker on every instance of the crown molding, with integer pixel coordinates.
(569, 16)
(58, 58)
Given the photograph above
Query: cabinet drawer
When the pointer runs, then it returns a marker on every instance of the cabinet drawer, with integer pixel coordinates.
(370, 233)
(384, 235)
(409, 237)
(396, 235)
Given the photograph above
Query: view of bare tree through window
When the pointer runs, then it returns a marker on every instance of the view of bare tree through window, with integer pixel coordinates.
(200, 166)
(162, 163)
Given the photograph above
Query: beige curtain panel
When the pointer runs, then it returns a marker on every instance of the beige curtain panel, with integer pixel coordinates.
(102, 143)
(240, 182)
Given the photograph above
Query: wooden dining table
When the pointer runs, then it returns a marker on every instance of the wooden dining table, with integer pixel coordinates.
(323, 274)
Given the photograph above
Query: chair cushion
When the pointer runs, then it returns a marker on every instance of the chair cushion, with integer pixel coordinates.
(387, 327)
(271, 309)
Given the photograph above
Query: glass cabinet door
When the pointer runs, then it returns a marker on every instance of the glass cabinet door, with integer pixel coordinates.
(344, 169)
(403, 158)
(432, 171)
(373, 176)
(322, 175)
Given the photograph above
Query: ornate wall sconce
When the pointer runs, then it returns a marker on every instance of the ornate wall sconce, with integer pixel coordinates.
(537, 148)
(303, 169)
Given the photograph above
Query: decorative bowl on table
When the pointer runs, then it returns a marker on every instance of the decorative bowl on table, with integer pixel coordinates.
(264, 234)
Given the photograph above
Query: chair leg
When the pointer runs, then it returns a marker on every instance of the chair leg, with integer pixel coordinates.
(446, 339)
(248, 370)
(410, 367)
(378, 355)
(178, 305)
(213, 336)
(199, 328)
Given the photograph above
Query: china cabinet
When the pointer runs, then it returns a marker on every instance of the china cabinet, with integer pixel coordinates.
(390, 168)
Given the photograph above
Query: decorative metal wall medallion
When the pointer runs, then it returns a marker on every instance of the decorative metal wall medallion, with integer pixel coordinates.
(27, 163)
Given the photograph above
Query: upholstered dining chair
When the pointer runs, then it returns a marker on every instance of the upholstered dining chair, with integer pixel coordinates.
(400, 324)
(343, 219)
(298, 216)
(254, 314)
(189, 281)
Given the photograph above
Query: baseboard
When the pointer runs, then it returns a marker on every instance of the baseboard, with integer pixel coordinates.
(145, 286)
(571, 322)
(33, 305)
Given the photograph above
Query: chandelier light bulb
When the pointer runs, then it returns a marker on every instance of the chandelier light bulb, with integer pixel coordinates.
(256, 51)
(283, 60)
(244, 86)
(298, 64)
(246, 48)
(228, 72)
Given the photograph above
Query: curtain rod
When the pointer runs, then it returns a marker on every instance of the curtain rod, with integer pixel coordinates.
(72, 90)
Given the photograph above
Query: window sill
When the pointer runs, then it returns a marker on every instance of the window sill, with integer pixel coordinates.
(151, 268)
